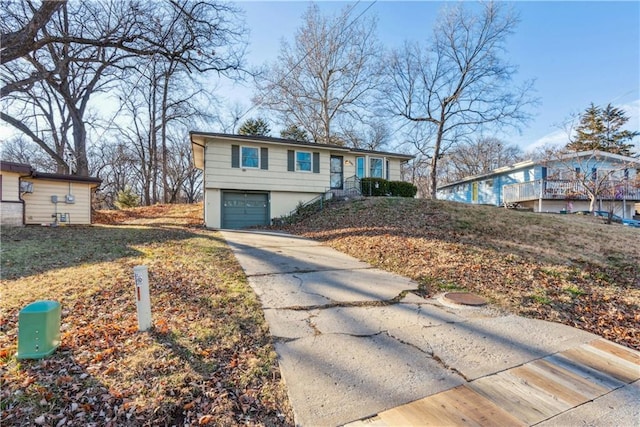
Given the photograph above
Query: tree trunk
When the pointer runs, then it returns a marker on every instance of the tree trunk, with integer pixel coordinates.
(163, 136)
(79, 145)
(153, 140)
(433, 173)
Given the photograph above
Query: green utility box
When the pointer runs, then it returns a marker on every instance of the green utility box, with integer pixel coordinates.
(38, 329)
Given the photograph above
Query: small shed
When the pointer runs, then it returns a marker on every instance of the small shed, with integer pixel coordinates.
(32, 197)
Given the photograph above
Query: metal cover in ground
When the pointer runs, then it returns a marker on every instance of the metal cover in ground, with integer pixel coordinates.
(465, 298)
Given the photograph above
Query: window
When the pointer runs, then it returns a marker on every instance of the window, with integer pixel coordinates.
(375, 167)
(360, 167)
(250, 157)
(303, 161)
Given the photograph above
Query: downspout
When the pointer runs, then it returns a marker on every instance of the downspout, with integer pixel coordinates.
(24, 211)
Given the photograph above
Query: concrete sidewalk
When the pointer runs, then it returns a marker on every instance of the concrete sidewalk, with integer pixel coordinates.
(354, 343)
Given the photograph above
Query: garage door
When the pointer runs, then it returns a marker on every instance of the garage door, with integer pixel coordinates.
(240, 210)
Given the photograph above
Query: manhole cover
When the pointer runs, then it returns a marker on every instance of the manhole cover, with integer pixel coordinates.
(465, 298)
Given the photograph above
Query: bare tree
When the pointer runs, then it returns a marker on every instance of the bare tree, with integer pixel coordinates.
(459, 83)
(479, 156)
(86, 46)
(21, 149)
(114, 162)
(369, 136)
(19, 33)
(328, 74)
(126, 26)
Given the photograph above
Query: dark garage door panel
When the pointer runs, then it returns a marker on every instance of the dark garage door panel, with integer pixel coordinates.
(240, 210)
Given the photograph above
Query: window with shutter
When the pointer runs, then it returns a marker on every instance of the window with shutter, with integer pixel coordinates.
(235, 156)
(291, 160)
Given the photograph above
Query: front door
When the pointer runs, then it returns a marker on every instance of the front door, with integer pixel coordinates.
(336, 172)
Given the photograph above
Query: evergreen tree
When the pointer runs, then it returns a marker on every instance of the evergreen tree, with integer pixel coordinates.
(294, 132)
(601, 129)
(127, 198)
(258, 127)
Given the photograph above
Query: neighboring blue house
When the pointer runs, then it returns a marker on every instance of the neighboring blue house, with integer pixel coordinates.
(555, 185)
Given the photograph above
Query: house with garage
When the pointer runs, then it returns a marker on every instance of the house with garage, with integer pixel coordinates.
(555, 185)
(252, 180)
(32, 197)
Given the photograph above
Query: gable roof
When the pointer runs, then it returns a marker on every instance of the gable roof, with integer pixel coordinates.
(198, 140)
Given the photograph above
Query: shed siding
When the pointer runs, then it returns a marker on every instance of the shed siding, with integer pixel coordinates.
(11, 214)
(10, 187)
(40, 210)
(11, 208)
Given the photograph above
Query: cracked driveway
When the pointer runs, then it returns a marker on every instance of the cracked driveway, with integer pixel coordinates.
(353, 341)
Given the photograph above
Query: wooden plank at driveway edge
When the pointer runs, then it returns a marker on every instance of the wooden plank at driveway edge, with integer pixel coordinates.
(456, 406)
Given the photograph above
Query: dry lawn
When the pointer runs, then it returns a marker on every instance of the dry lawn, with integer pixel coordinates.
(207, 361)
(570, 269)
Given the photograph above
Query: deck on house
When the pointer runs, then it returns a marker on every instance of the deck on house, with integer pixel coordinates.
(548, 189)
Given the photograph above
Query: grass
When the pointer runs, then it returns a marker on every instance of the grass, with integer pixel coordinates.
(208, 358)
(563, 268)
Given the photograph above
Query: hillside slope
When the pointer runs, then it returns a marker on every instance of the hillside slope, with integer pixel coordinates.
(565, 268)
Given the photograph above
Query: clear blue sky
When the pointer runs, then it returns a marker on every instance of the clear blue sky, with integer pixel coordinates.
(578, 52)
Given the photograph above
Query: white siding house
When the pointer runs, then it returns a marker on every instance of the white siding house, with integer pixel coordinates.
(251, 180)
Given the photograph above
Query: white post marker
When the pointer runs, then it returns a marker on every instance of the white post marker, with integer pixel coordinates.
(143, 301)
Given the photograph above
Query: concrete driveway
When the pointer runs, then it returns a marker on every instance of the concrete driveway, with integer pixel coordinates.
(355, 345)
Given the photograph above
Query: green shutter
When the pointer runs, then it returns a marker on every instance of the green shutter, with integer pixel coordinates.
(235, 156)
(291, 160)
(264, 158)
(316, 162)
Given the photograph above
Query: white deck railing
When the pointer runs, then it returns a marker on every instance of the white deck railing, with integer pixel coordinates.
(558, 189)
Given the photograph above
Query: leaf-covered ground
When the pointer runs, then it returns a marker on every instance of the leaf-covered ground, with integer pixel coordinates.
(207, 361)
(563, 268)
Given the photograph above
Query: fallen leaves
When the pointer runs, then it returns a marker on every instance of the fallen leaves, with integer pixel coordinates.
(196, 365)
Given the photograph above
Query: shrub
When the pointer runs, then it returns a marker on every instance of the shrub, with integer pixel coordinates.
(382, 187)
(127, 198)
(374, 187)
(402, 189)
